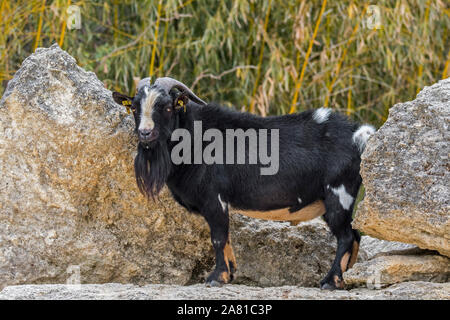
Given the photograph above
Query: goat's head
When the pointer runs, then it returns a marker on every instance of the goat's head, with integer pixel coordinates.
(155, 109)
(155, 106)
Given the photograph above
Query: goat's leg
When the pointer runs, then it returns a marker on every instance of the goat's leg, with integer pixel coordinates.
(230, 258)
(339, 220)
(218, 221)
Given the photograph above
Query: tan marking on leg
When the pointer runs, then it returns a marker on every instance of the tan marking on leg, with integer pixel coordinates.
(354, 257)
(229, 254)
(314, 210)
(344, 261)
(225, 257)
(225, 277)
(338, 282)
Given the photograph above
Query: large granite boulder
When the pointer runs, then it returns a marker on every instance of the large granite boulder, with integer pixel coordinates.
(406, 173)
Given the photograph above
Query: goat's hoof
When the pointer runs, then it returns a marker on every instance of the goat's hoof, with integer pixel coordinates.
(336, 283)
(218, 278)
(213, 284)
(327, 286)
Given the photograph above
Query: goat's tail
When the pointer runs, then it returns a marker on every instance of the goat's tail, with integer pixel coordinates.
(361, 136)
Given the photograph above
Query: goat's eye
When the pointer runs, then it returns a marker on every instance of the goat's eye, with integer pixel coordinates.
(169, 109)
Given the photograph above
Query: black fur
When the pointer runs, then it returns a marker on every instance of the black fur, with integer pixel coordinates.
(314, 158)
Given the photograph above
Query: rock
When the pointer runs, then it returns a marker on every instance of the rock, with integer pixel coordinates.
(272, 253)
(373, 247)
(69, 206)
(70, 210)
(383, 271)
(113, 291)
(405, 171)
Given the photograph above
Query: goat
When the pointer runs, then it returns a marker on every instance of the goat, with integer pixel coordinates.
(319, 162)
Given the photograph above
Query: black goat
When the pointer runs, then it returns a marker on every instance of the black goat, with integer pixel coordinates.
(319, 159)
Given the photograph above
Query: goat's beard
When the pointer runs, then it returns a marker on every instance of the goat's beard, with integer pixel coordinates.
(152, 168)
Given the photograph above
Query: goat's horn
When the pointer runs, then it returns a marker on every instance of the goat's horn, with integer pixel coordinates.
(167, 84)
(143, 82)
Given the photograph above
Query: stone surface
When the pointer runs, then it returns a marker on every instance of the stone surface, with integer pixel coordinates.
(405, 170)
(373, 247)
(274, 253)
(70, 209)
(383, 271)
(404, 291)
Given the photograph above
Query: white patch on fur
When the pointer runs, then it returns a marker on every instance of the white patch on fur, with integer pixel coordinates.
(222, 203)
(147, 104)
(361, 136)
(345, 199)
(299, 200)
(321, 115)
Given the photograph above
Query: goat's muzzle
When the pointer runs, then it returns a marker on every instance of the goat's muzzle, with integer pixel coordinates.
(148, 136)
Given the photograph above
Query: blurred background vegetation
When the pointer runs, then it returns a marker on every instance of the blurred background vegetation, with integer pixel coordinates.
(267, 57)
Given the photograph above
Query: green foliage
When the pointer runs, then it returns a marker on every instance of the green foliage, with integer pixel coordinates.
(214, 47)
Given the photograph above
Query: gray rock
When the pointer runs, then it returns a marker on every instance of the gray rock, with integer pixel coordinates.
(274, 253)
(383, 271)
(405, 170)
(113, 291)
(373, 247)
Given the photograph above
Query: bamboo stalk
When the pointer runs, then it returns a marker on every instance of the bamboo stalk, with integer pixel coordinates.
(38, 34)
(298, 83)
(3, 75)
(419, 79)
(3, 30)
(339, 65)
(63, 26)
(155, 40)
(350, 109)
(261, 53)
(2, 8)
(447, 63)
(427, 11)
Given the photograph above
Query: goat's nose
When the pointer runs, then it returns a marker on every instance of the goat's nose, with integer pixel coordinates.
(145, 132)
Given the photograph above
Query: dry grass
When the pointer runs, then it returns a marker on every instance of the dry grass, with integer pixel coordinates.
(270, 57)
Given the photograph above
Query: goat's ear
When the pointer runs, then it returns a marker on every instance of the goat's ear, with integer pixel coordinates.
(181, 101)
(122, 99)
